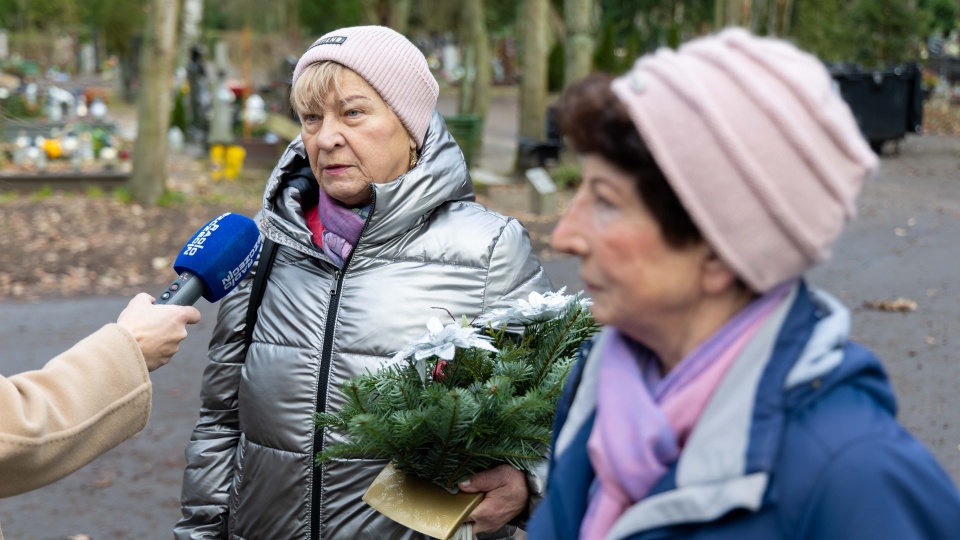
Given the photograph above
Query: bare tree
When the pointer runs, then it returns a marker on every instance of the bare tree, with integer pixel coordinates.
(399, 18)
(581, 24)
(392, 13)
(475, 89)
(533, 85)
(149, 177)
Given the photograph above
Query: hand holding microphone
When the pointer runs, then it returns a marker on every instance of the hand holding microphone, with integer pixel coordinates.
(157, 329)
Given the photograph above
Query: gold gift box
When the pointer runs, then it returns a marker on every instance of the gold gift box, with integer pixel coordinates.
(419, 504)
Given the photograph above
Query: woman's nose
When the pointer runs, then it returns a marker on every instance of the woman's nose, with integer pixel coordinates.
(329, 136)
(569, 234)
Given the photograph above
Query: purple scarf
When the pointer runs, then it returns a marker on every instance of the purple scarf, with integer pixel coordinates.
(643, 419)
(341, 228)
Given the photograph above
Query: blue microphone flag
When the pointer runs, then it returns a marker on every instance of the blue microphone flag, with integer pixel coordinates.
(221, 253)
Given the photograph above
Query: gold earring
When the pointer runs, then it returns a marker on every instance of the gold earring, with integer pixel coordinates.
(413, 158)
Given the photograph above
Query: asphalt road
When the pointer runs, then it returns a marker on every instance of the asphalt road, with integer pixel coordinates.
(903, 244)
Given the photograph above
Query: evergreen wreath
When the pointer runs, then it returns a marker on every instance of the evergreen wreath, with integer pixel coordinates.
(489, 398)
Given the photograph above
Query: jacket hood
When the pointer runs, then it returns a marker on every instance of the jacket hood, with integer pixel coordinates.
(440, 176)
(827, 362)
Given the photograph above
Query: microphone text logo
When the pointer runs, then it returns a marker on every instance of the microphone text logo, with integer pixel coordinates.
(237, 273)
(196, 243)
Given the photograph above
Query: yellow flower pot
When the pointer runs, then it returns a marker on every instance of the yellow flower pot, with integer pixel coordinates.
(419, 504)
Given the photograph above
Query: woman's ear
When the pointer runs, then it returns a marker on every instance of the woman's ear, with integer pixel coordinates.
(717, 276)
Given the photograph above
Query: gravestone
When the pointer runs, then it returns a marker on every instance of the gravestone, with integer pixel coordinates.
(543, 199)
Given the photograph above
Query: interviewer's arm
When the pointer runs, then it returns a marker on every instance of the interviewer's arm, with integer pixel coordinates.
(81, 404)
(87, 400)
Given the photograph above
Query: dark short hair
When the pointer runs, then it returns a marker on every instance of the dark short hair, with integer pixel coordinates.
(595, 121)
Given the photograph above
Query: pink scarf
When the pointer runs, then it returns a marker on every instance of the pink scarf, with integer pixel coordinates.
(643, 419)
(335, 227)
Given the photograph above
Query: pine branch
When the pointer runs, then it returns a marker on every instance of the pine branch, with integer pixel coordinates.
(481, 409)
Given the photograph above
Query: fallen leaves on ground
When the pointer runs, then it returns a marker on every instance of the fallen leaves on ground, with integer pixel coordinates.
(941, 117)
(902, 305)
(70, 244)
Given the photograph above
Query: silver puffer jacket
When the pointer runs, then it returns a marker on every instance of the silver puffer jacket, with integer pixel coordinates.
(250, 471)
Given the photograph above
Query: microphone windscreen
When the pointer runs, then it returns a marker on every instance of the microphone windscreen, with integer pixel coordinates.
(221, 253)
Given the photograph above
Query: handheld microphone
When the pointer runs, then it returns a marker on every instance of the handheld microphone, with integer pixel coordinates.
(214, 260)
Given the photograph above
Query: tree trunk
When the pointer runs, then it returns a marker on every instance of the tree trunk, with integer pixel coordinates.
(786, 16)
(475, 89)
(149, 177)
(772, 9)
(370, 12)
(579, 45)
(533, 87)
(400, 16)
(733, 11)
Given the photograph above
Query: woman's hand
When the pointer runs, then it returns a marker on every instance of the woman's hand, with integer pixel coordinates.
(506, 496)
(158, 329)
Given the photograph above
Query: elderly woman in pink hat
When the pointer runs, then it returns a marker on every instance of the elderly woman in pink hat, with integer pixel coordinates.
(724, 398)
(370, 224)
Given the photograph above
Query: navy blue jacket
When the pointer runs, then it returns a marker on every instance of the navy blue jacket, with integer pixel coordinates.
(799, 440)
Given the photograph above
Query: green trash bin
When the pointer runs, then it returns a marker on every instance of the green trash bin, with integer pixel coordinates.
(467, 129)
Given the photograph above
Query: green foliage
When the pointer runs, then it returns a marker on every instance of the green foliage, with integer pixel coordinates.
(942, 16)
(636, 27)
(604, 56)
(123, 194)
(16, 107)
(95, 192)
(822, 29)
(43, 193)
(171, 198)
(566, 176)
(556, 64)
(318, 18)
(481, 409)
(178, 114)
(873, 33)
(885, 31)
(118, 21)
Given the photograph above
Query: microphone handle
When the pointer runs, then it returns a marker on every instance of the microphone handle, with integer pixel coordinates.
(185, 291)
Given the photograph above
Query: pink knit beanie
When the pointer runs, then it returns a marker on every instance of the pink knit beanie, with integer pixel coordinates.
(763, 154)
(393, 66)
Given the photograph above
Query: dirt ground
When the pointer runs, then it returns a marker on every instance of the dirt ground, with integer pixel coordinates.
(65, 244)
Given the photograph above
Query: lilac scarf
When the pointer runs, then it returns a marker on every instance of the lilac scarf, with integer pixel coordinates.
(341, 228)
(643, 419)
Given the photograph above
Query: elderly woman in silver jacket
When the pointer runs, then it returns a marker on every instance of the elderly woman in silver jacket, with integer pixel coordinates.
(373, 212)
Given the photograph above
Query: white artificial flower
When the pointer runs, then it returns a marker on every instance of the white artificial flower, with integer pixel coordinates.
(443, 341)
(538, 307)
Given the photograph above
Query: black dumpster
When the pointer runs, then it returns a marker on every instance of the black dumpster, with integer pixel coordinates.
(887, 103)
(536, 153)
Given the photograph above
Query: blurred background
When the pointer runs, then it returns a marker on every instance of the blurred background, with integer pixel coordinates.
(125, 125)
(131, 106)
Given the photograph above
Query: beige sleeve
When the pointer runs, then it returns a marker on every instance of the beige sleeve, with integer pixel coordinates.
(81, 404)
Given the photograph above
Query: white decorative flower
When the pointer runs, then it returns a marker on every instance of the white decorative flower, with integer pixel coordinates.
(538, 307)
(443, 341)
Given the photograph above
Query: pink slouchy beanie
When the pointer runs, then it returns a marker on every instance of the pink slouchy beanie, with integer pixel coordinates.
(762, 152)
(393, 66)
